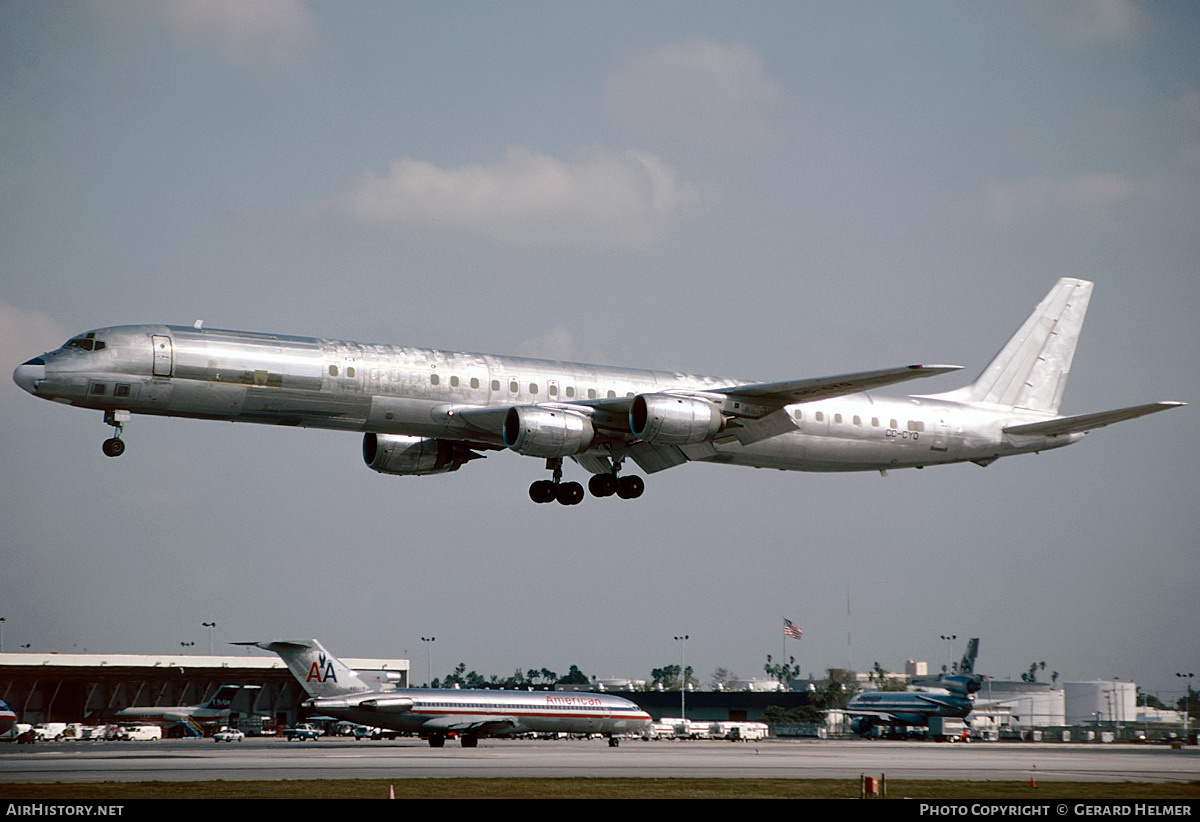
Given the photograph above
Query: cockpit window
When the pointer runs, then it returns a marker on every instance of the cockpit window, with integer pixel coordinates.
(87, 342)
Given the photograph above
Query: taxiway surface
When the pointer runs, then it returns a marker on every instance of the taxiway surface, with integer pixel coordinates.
(272, 759)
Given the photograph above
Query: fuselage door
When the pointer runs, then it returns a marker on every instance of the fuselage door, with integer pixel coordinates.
(941, 436)
(163, 357)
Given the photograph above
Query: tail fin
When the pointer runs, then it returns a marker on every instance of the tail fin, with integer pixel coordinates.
(319, 672)
(223, 698)
(967, 665)
(1030, 372)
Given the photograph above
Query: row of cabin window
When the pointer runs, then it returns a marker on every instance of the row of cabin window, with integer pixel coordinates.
(913, 425)
(513, 386)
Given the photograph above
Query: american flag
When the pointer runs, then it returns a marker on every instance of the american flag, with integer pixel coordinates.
(792, 629)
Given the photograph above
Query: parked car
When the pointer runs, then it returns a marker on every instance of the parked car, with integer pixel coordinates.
(229, 735)
(302, 732)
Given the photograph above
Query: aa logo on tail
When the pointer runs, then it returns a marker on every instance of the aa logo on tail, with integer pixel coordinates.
(322, 671)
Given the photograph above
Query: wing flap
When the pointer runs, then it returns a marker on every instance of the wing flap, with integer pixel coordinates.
(1086, 422)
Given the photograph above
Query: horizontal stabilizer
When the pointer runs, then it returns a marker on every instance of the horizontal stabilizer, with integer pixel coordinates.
(1086, 422)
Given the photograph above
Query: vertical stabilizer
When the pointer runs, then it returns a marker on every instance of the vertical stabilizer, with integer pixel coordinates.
(967, 665)
(1030, 372)
(319, 672)
(223, 698)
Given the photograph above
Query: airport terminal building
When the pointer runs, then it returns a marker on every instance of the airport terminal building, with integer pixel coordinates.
(51, 687)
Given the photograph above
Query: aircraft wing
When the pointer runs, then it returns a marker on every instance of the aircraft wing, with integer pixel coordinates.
(762, 398)
(884, 715)
(490, 723)
(1086, 422)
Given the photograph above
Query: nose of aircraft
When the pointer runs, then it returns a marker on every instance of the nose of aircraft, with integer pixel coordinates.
(28, 374)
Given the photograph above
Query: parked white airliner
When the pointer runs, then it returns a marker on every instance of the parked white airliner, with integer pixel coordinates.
(428, 411)
(437, 713)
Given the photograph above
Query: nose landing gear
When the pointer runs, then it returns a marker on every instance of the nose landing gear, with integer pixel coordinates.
(115, 446)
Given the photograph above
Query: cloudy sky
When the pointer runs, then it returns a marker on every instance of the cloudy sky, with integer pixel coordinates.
(767, 190)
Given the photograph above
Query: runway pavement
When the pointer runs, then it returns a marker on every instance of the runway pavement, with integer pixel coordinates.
(274, 759)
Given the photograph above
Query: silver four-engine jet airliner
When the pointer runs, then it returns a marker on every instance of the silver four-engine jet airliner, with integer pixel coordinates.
(426, 411)
(437, 713)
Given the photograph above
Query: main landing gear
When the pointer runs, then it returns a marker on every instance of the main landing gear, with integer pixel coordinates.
(115, 446)
(571, 493)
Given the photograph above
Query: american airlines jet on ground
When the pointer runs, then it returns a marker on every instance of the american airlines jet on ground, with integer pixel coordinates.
(428, 411)
(437, 713)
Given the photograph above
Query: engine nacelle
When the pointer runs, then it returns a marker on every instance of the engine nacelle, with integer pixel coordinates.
(546, 432)
(394, 454)
(665, 419)
(862, 725)
(962, 683)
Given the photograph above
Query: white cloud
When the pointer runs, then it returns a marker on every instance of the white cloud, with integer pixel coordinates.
(556, 344)
(245, 30)
(700, 91)
(599, 197)
(1093, 22)
(1086, 195)
(25, 334)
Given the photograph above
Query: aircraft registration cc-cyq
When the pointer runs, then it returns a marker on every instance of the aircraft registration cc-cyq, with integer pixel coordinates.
(426, 411)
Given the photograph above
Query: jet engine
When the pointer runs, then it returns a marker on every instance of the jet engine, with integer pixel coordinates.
(962, 684)
(387, 704)
(862, 725)
(546, 432)
(665, 419)
(393, 454)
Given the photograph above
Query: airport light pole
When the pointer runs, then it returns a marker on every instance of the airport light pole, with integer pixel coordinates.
(209, 626)
(1187, 692)
(429, 640)
(682, 640)
(948, 638)
(2, 621)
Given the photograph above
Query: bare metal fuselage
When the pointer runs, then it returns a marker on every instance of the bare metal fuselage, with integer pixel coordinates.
(383, 389)
(427, 411)
(491, 713)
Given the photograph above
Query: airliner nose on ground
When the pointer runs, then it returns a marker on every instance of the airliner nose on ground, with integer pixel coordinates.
(28, 374)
